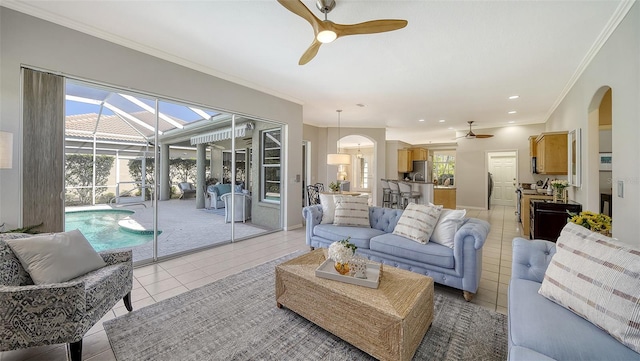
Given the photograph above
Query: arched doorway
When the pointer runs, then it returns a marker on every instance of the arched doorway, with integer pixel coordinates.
(361, 174)
(601, 150)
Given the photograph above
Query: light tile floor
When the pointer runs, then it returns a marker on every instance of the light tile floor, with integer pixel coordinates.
(153, 283)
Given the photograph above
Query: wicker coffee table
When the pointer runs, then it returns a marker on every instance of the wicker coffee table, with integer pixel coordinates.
(388, 322)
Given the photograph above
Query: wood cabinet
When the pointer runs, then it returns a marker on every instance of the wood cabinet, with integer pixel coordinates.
(418, 154)
(525, 211)
(532, 146)
(551, 153)
(548, 218)
(405, 163)
(445, 196)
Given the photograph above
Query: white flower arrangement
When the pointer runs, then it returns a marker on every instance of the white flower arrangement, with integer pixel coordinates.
(342, 251)
(559, 183)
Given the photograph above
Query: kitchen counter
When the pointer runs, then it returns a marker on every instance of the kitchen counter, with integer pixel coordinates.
(444, 187)
(525, 211)
(446, 196)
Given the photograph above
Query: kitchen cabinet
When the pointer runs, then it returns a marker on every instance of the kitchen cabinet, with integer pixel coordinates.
(548, 218)
(445, 196)
(525, 210)
(551, 153)
(418, 154)
(405, 163)
(532, 146)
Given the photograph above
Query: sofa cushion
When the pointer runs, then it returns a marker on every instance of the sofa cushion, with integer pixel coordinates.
(548, 328)
(57, 257)
(222, 189)
(598, 279)
(327, 201)
(449, 222)
(351, 211)
(418, 221)
(360, 236)
(11, 271)
(401, 247)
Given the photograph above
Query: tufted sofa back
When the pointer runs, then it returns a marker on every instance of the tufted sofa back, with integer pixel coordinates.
(384, 219)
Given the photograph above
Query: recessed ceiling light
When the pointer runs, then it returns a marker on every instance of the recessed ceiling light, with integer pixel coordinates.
(450, 128)
(514, 97)
(441, 120)
(421, 120)
(512, 112)
(511, 121)
(360, 105)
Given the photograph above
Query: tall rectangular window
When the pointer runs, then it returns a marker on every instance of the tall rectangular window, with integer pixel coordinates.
(444, 166)
(271, 149)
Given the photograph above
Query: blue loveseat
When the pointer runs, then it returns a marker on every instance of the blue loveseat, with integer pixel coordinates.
(217, 191)
(458, 267)
(540, 329)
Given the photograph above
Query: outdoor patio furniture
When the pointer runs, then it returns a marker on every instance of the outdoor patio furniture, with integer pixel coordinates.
(187, 189)
(242, 207)
(52, 313)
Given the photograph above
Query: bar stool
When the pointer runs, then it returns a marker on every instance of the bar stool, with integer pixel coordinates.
(386, 193)
(395, 194)
(407, 194)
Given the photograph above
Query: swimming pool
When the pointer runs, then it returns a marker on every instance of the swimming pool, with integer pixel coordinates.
(102, 230)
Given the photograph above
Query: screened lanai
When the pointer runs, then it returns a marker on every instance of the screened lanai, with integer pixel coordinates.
(113, 141)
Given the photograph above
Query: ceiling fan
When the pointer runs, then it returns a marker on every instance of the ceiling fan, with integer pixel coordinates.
(326, 31)
(472, 135)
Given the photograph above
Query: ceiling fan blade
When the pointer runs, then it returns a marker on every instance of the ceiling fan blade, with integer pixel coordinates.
(369, 27)
(298, 8)
(484, 135)
(310, 53)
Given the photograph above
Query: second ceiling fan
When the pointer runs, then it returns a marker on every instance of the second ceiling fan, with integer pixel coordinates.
(326, 31)
(472, 135)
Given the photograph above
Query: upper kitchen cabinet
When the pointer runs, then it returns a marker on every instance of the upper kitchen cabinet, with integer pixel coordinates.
(532, 146)
(551, 153)
(405, 162)
(418, 154)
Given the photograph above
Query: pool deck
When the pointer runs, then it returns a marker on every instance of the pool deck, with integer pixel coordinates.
(184, 228)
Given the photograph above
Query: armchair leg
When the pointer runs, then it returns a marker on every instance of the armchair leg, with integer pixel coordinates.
(74, 350)
(468, 295)
(127, 302)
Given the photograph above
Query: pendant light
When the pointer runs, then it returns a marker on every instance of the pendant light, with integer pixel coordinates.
(359, 154)
(338, 158)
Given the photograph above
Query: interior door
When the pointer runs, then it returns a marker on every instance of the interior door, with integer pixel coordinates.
(503, 165)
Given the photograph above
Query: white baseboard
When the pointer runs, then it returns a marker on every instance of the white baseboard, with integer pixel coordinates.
(295, 226)
(459, 206)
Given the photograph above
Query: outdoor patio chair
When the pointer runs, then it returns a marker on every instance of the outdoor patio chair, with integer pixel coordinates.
(242, 207)
(52, 313)
(186, 189)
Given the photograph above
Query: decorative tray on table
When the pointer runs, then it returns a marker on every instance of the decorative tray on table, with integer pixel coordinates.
(327, 270)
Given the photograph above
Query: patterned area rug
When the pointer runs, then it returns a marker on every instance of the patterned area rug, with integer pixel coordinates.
(236, 319)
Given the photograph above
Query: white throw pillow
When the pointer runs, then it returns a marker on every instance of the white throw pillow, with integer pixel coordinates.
(351, 211)
(448, 224)
(57, 257)
(598, 279)
(327, 201)
(418, 221)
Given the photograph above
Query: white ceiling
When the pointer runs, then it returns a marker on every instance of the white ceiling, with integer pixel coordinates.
(456, 60)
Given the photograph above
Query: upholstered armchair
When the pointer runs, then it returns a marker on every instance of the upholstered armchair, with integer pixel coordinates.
(35, 315)
(186, 190)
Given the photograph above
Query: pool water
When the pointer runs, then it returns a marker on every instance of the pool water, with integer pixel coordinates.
(101, 228)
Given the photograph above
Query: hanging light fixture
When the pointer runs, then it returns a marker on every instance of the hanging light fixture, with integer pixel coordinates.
(338, 158)
(359, 154)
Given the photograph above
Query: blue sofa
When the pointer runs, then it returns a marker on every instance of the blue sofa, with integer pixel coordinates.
(458, 267)
(540, 329)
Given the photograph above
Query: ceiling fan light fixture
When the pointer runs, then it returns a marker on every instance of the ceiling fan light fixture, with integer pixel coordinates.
(326, 36)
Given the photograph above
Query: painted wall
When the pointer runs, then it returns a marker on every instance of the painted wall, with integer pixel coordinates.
(25, 40)
(616, 65)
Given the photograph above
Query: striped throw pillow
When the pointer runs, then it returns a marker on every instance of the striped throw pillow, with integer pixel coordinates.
(351, 211)
(418, 222)
(597, 278)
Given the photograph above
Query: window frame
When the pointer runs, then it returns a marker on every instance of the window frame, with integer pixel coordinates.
(264, 166)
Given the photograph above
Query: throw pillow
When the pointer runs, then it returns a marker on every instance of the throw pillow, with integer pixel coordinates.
(418, 221)
(448, 224)
(327, 201)
(598, 279)
(57, 257)
(11, 271)
(352, 211)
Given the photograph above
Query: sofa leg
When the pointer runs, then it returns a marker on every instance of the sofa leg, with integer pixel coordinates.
(74, 350)
(127, 302)
(311, 248)
(467, 295)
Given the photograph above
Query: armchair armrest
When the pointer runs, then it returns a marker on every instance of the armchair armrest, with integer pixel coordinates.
(41, 308)
(114, 257)
(531, 258)
(312, 216)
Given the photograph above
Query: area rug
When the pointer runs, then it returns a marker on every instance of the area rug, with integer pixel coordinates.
(236, 318)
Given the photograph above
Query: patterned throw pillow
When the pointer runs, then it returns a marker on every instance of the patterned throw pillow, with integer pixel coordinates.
(597, 278)
(418, 222)
(11, 271)
(351, 211)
